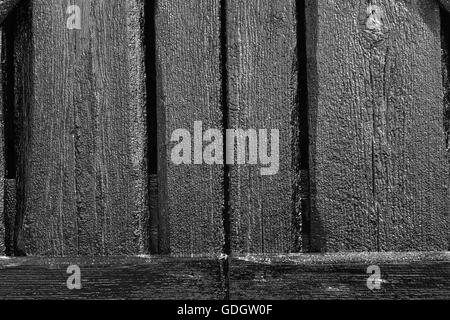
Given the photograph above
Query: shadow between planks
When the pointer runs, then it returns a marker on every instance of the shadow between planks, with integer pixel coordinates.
(251, 277)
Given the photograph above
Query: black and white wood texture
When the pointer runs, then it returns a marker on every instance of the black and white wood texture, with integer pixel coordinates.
(189, 89)
(252, 277)
(379, 174)
(86, 175)
(80, 101)
(262, 90)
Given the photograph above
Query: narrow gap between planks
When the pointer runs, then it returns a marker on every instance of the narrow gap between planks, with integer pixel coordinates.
(445, 42)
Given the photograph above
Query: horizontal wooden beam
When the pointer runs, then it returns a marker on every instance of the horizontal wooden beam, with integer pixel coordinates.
(341, 276)
(131, 278)
(300, 276)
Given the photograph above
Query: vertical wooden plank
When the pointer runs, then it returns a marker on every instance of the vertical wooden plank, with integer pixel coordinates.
(82, 105)
(189, 90)
(9, 207)
(138, 119)
(262, 68)
(152, 124)
(302, 203)
(9, 154)
(8, 159)
(84, 179)
(2, 147)
(44, 85)
(23, 98)
(445, 42)
(120, 125)
(379, 174)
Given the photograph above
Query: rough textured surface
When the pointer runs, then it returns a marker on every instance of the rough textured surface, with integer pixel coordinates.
(9, 205)
(379, 173)
(189, 89)
(2, 147)
(445, 40)
(262, 95)
(81, 97)
(8, 170)
(19, 29)
(6, 6)
(130, 278)
(342, 276)
(137, 115)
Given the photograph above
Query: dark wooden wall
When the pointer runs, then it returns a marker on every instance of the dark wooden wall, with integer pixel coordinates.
(379, 172)
(87, 115)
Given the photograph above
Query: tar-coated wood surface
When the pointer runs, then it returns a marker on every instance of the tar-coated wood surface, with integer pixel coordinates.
(19, 29)
(262, 81)
(379, 176)
(9, 211)
(82, 119)
(2, 150)
(80, 99)
(340, 276)
(132, 278)
(260, 277)
(6, 6)
(87, 117)
(445, 42)
(189, 89)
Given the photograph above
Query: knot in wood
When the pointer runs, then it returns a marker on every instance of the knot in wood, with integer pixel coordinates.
(374, 20)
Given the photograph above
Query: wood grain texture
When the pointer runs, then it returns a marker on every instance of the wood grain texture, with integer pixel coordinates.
(128, 278)
(21, 32)
(10, 209)
(84, 166)
(2, 147)
(262, 95)
(340, 276)
(137, 114)
(189, 89)
(6, 6)
(8, 140)
(263, 277)
(379, 177)
(445, 41)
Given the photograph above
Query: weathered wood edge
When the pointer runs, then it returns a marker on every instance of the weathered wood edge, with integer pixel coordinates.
(3, 245)
(445, 4)
(342, 276)
(260, 277)
(6, 6)
(115, 278)
(345, 258)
